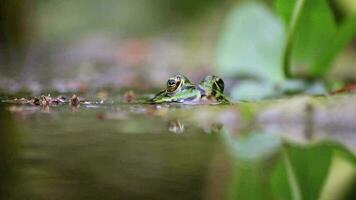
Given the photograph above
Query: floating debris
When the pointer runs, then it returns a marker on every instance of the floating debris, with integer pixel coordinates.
(46, 100)
(129, 96)
(59, 100)
(103, 95)
(39, 101)
(351, 88)
(35, 101)
(74, 101)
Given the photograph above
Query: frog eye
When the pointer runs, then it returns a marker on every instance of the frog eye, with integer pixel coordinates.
(171, 82)
(220, 84)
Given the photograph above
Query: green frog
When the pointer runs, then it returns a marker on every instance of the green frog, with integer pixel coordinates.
(212, 89)
(178, 90)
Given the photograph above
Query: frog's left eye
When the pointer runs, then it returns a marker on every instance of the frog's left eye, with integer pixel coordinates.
(171, 82)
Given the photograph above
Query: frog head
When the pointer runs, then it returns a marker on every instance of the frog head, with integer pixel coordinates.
(210, 84)
(177, 83)
(178, 89)
(212, 87)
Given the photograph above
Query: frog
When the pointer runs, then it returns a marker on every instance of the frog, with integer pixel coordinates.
(179, 89)
(212, 89)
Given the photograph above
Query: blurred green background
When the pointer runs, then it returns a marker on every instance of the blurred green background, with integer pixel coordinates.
(54, 42)
(80, 45)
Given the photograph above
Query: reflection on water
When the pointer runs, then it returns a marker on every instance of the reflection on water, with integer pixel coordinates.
(176, 126)
(160, 152)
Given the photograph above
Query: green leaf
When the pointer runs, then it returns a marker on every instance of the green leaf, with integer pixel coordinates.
(317, 39)
(315, 26)
(251, 44)
(252, 166)
(279, 182)
(250, 180)
(310, 167)
(263, 169)
(344, 35)
(341, 182)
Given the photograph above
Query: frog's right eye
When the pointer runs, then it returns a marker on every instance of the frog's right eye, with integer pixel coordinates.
(221, 84)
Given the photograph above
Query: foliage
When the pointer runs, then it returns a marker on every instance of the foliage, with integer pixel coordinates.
(254, 39)
(286, 171)
(251, 43)
(310, 27)
(300, 40)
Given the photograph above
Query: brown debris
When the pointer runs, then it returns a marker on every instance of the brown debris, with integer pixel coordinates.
(59, 100)
(35, 101)
(39, 101)
(103, 95)
(129, 96)
(19, 101)
(46, 100)
(74, 101)
(351, 88)
(100, 115)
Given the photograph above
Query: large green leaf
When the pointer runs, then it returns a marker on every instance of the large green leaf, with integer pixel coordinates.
(316, 39)
(315, 27)
(310, 167)
(251, 44)
(305, 169)
(251, 180)
(265, 169)
(279, 182)
(252, 164)
(343, 36)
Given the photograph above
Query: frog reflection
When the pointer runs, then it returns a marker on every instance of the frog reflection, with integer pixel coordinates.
(176, 126)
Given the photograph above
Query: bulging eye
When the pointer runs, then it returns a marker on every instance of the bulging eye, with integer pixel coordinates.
(171, 82)
(220, 84)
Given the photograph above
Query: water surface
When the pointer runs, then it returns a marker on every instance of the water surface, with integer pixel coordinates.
(118, 151)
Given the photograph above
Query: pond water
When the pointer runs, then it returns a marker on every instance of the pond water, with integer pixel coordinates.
(120, 151)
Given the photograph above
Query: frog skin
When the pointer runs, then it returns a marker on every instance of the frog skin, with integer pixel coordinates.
(212, 88)
(178, 90)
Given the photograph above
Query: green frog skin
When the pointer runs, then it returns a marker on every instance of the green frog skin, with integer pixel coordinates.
(178, 90)
(212, 88)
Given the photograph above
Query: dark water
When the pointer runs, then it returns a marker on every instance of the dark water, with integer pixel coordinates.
(145, 152)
